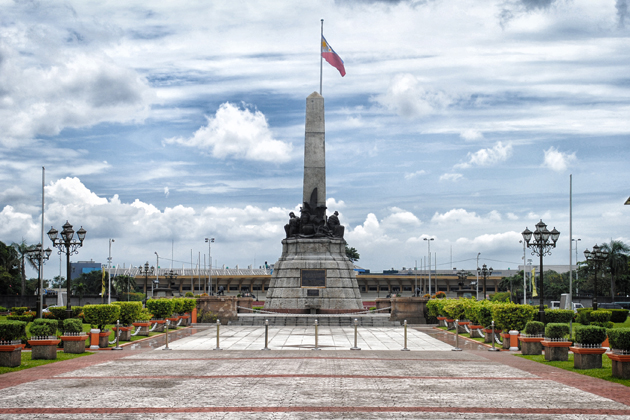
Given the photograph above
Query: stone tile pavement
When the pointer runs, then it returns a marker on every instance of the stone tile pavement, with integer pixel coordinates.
(192, 381)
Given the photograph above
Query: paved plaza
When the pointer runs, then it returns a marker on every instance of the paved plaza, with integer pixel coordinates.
(292, 381)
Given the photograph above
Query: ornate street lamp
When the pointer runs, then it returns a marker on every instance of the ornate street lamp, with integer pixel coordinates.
(172, 276)
(38, 256)
(543, 242)
(69, 246)
(462, 276)
(596, 256)
(146, 271)
(484, 272)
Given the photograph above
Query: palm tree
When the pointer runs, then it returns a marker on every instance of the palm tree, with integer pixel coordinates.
(617, 262)
(22, 249)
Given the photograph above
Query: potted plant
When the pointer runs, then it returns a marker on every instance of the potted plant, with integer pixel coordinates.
(129, 312)
(531, 338)
(511, 318)
(11, 333)
(455, 309)
(187, 307)
(161, 309)
(619, 339)
(73, 336)
(100, 316)
(177, 310)
(143, 322)
(471, 314)
(555, 343)
(43, 340)
(483, 311)
(588, 350)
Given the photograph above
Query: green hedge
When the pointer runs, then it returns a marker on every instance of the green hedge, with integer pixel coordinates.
(3, 309)
(584, 316)
(619, 338)
(188, 305)
(178, 305)
(189, 294)
(618, 316)
(600, 316)
(129, 311)
(101, 315)
(19, 310)
(60, 312)
(512, 316)
(23, 318)
(557, 330)
(433, 307)
(12, 330)
(534, 328)
(558, 316)
(72, 325)
(456, 308)
(483, 314)
(590, 334)
(43, 327)
(160, 308)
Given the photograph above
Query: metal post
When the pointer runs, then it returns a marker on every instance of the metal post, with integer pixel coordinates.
(316, 347)
(218, 325)
(167, 323)
(405, 348)
(493, 348)
(356, 323)
(117, 336)
(266, 334)
(456, 348)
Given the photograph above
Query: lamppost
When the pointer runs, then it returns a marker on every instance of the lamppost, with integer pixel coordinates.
(484, 272)
(576, 265)
(524, 281)
(210, 241)
(544, 241)
(597, 256)
(429, 256)
(462, 276)
(477, 282)
(37, 255)
(171, 276)
(109, 273)
(67, 245)
(146, 271)
(157, 272)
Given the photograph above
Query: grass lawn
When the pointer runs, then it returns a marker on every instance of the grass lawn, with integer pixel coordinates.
(604, 373)
(28, 363)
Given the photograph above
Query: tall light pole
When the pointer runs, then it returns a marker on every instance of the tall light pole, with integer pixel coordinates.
(576, 264)
(109, 272)
(524, 263)
(66, 245)
(485, 272)
(544, 241)
(157, 272)
(38, 256)
(596, 256)
(477, 285)
(146, 271)
(429, 257)
(210, 241)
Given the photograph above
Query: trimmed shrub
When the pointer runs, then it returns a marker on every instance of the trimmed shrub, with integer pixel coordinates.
(558, 316)
(72, 325)
(178, 305)
(484, 313)
(12, 330)
(160, 308)
(130, 297)
(534, 328)
(189, 294)
(433, 307)
(600, 316)
(556, 330)
(129, 312)
(500, 297)
(584, 316)
(512, 316)
(101, 315)
(18, 310)
(590, 335)
(144, 315)
(618, 316)
(619, 338)
(51, 324)
(59, 312)
(188, 305)
(470, 312)
(23, 318)
(456, 308)
(3, 309)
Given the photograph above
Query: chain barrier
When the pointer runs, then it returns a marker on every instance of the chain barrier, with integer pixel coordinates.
(262, 311)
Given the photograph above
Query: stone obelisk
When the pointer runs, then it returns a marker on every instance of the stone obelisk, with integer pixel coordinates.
(313, 274)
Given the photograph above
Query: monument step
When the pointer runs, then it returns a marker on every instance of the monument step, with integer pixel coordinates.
(309, 320)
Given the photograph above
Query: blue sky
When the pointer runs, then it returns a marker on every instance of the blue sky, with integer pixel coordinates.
(461, 121)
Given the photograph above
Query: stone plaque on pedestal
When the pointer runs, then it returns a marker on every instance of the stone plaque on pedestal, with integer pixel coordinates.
(313, 278)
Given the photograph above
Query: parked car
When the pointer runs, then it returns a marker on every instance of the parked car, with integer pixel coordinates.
(609, 306)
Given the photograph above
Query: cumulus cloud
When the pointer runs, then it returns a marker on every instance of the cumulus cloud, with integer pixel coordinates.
(333, 204)
(408, 98)
(471, 134)
(400, 219)
(464, 217)
(415, 174)
(491, 241)
(238, 133)
(487, 157)
(451, 177)
(558, 161)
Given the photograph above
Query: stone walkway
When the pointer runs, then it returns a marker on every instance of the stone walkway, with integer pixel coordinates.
(194, 382)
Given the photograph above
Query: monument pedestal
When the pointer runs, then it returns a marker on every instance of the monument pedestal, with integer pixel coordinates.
(313, 275)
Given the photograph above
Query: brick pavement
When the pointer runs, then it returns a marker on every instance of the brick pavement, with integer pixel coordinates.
(285, 384)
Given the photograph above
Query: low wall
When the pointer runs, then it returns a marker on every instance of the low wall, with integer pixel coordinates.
(225, 307)
(410, 308)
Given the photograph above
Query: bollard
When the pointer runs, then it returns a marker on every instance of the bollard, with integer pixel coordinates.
(356, 322)
(456, 348)
(493, 339)
(316, 348)
(166, 325)
(405, 348)
(266, 334)
(218, 324)
(117, 336)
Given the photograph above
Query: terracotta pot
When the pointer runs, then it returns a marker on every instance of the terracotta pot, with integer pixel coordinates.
(160, 326)
(556, 350)
(44, 349)
(620, 365)
(125, 333)
(587, 358)
(531, 345)
(442, 321)
(144, 328)
(74, 344)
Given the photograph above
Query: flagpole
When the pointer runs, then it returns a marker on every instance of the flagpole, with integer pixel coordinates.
(321, 58)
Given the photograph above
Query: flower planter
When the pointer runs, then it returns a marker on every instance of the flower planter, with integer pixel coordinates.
(531, 345)
(488, 331)
(125, 333)
(74, 344)
(173, 323)
(11, 355)
(185, 319)
(160, 326)
(587, 358)
(144, 328)
(556, 351)
(450, 324)
(442, 321)
(620, 365)
(475, 331)
(103, 339)
(461, 327)
(44, 349)
(505, 339)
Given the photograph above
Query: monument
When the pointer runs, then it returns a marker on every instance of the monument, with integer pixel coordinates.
(313, 274)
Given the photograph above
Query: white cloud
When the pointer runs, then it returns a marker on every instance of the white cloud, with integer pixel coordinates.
(400, 219)
(238, 133)
(471, 134)
(558, 161)
(451, 177)
(415, 174)
(408, 98)
(464, 217)
(492, 241)
(333, 204)
(487, 157)
(166, 192)
(512, 216)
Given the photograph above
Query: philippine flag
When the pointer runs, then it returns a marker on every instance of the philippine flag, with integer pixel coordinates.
(331, 57)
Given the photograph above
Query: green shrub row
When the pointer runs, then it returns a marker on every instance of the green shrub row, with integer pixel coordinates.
(556, 330)
(160, 308)
(12, 330)
(534, 328)
(619, 316)
(512, 316)
(3, 309)
(619, 338)
(129, 312)
(555, 316)
(72, 325)
(101, 315)
(60, 312)
(590, 334)
(43, 327)
(19, 310)
(23, 318)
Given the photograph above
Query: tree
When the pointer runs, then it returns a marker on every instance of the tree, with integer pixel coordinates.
(59, 282)
(78, 289)
(617, 262)
(352, 254)
(23, 250)
(93, 282)
(9, 259)
(9, 283)
(124, 284)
